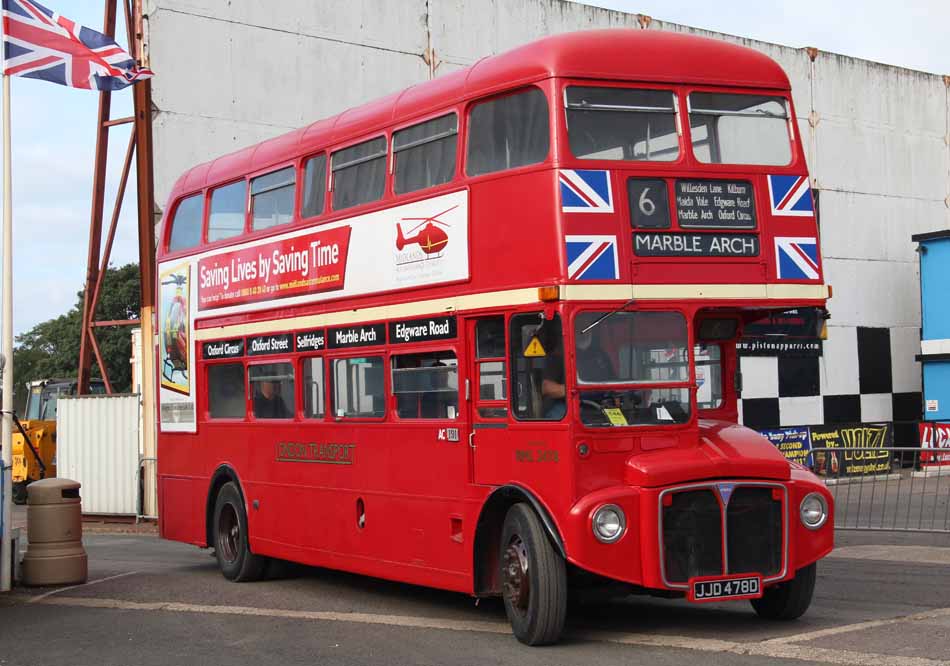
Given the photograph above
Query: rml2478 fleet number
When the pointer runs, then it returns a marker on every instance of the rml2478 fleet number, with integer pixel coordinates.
(745, 587)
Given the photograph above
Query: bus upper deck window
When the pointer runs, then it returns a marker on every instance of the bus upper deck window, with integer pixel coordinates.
(228, 207)
(622, 124)
(425, 154)
(508, 132)
(272, 198)
(314, 186)
(186, 225)
(359, 173)
(740, 129)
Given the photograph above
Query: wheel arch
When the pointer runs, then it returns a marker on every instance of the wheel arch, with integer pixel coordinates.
(222, 475)
(488, 534)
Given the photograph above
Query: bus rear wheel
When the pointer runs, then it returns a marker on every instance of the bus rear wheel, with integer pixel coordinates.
(788, 601)
(534, 579)
(231, 548)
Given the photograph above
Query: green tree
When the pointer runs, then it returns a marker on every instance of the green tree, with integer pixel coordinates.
(51, 348)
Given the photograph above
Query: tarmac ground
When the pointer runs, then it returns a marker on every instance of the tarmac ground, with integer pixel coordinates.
(880, 599)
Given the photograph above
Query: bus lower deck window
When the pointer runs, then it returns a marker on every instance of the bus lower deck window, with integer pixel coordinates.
(313, 399)
(272, 390)
(226, 398)
(359, 387)
(426, 385)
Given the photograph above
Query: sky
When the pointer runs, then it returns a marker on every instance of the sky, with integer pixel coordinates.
(54, 127)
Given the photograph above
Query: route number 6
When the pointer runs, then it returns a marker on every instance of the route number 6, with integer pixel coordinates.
(647, 207)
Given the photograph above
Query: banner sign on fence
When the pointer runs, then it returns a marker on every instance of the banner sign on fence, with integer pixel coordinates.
(794, 443)
(849, 438)
(934, 438)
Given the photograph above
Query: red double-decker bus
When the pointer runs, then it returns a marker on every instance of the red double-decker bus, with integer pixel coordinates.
(481, 334)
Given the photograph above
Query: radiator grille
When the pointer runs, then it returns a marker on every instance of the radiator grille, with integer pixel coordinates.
(692, 532)
(754, 528)
(692, 536)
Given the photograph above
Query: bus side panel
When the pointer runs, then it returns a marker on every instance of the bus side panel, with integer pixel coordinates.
(181, 517)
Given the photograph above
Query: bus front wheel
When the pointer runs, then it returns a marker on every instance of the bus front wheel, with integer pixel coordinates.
(235, 558)
(534, 579)
(788, 601)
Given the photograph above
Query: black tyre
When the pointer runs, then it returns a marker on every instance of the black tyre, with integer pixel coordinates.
(788, 601)
(534, 579)
(19, 493)
(235, 558)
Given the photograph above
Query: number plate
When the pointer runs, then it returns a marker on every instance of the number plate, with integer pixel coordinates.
(725, 588)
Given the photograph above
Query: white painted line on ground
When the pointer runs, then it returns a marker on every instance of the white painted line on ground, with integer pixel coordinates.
(916, 554)
(781, 648)
(858, 626)
(41, 597)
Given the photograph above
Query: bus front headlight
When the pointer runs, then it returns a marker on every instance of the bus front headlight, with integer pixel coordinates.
(609, 523)
(814, 511)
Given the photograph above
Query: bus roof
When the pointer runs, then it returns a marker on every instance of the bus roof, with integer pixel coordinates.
(620, 54)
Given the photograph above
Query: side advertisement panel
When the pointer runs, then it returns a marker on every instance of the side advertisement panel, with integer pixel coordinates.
(418, 244)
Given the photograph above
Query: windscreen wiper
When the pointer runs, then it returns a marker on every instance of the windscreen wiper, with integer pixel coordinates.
(609, 314)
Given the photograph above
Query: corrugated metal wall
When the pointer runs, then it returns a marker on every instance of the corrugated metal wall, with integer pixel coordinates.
(98, 446)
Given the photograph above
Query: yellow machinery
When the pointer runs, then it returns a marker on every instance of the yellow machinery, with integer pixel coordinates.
(34, 438)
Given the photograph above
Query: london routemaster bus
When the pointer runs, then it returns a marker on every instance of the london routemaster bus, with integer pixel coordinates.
(480, 335)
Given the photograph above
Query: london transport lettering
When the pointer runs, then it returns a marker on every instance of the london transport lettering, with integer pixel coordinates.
(356, 336)
(222, 349)
(422, 330)
(290, 267)
(270, 344)
(715, 204)
(700, 245)
(326, 454)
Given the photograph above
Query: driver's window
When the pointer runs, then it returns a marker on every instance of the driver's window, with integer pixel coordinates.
(537, 368)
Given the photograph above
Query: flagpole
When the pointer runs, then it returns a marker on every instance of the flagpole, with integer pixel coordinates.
(6, 543)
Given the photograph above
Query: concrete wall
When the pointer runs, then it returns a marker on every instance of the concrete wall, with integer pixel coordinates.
(233, 73)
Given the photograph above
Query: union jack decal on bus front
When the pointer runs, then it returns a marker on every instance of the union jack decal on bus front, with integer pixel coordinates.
(796, 258)
(791, 196)
(585, 191)
(592, 257)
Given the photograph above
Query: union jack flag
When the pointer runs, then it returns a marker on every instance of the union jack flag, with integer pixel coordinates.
(796, 258)
(585, 191)
(592, 257)
(41, 44)
(791, 196)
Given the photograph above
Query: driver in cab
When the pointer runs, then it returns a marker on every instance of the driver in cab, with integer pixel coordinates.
(594, 366)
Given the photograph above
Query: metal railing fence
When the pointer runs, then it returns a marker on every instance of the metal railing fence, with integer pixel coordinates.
(903, 489)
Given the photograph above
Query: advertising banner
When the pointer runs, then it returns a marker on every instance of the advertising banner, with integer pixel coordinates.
(846, 440)
(935, 444)
(289, 267)
(794, 443)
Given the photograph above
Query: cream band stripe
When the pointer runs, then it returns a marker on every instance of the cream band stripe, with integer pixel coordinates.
(512, 297)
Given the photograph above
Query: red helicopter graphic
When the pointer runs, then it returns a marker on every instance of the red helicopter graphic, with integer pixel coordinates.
(431, 238)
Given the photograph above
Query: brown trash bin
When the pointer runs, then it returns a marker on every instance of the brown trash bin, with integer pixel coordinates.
(55, 554)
